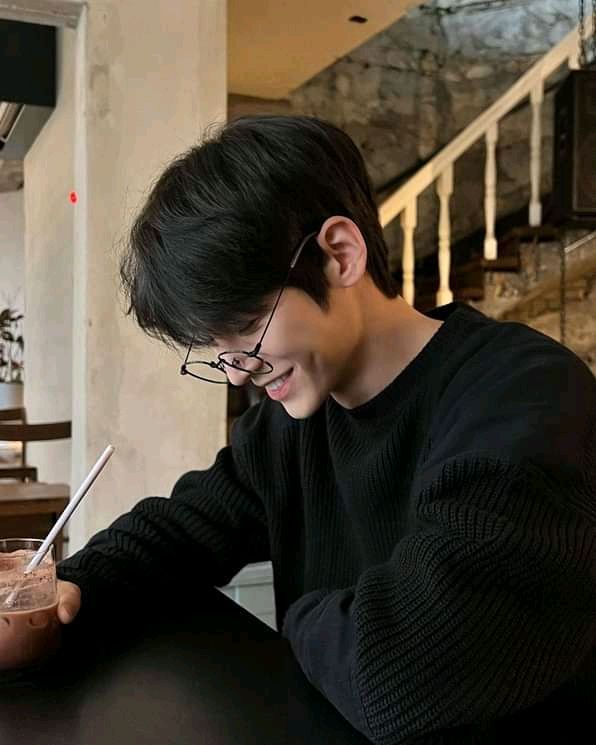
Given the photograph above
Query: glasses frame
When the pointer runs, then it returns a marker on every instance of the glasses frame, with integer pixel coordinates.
(222, 364)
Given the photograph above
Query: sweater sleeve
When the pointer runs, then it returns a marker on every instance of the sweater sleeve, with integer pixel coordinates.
(489, 603)
(212, 525)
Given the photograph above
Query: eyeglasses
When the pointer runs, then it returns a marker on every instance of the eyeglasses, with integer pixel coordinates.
(216, 371)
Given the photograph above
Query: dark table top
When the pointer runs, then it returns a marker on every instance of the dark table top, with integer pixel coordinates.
(213, 675)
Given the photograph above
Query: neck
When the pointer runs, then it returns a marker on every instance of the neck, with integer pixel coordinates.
(392, 334)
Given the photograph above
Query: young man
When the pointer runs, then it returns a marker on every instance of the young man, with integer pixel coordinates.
(423, 483)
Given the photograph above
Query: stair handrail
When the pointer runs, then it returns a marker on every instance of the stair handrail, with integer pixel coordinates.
(440, 168)
(580, 242)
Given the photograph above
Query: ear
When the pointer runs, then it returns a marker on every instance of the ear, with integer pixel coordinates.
(341, 239)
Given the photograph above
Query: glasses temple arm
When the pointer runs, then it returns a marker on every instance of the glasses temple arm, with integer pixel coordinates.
(295, 258)
(257, 348)
(188, 351)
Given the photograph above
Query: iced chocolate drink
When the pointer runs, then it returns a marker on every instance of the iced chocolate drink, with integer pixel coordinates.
(29, 627)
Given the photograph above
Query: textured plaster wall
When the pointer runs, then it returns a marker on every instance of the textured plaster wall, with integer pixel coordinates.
(148, 77)
(149, 96)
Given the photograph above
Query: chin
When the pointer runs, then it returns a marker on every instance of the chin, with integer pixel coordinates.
(296, 412)
(302, 409)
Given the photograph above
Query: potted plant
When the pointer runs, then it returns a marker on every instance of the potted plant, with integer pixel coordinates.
(11, 359)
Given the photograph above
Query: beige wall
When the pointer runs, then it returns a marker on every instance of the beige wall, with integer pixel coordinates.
(48, 172)
(12, 249)
(276, 46)
(146, 101)
(148, 78)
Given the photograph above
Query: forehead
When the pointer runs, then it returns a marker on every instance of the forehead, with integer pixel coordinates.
(252, 327)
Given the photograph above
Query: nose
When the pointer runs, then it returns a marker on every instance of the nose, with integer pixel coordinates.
(252, 363)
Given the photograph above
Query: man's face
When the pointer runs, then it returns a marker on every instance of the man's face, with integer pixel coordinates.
(311, 346)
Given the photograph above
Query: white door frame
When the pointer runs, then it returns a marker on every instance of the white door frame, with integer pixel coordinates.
(47, 12)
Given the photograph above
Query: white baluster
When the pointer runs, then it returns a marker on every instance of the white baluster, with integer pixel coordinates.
(409, 220)
(445, 190)
(536, 97)
(490, 192)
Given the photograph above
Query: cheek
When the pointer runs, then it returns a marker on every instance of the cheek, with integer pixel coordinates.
(302, 343)
(315, 370)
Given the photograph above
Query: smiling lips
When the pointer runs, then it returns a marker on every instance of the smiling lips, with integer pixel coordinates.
(278, 388)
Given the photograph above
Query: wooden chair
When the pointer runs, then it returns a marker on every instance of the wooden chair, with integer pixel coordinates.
(28, 508)
(13, 415)
(14, 428)
(22, 471)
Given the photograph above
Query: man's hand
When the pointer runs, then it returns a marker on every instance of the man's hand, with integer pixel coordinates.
(69, 601)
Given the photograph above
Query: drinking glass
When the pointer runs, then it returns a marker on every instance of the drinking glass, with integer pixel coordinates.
(29, 626)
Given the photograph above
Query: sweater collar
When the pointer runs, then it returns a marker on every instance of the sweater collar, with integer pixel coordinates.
(456, 317)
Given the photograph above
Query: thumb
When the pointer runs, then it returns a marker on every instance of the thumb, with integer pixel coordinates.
(69, 601)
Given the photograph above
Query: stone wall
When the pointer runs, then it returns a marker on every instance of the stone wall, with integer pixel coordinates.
(410, 89)
(533, 296)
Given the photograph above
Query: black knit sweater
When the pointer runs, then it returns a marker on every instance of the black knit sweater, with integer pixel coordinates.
(434, 549)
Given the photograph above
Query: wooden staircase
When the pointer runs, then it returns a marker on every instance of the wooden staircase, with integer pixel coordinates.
(468, 265)
(457, 272)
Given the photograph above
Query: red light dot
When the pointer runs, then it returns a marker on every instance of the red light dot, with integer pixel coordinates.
(73, 197)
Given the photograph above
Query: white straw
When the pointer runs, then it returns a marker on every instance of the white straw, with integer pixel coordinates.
(61, 521)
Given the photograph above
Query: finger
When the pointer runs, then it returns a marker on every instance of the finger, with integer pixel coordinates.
(66, 612)
(68, 606)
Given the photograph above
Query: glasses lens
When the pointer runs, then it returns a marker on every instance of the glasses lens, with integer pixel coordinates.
(246, 363)
(204, 371)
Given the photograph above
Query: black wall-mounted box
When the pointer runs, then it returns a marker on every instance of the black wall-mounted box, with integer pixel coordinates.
(27, 63)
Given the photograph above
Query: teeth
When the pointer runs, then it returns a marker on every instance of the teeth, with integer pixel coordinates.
(277, 384)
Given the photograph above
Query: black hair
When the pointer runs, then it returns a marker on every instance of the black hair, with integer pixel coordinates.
(214, 240)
